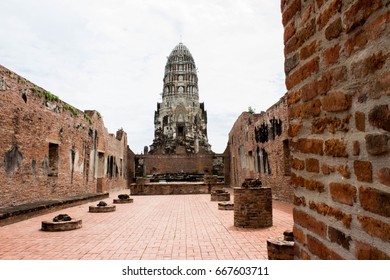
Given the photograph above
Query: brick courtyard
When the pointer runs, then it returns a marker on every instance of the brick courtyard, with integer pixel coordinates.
(171, 227)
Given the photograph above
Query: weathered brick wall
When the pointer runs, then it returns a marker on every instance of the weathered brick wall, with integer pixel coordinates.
(273, 152)
(241, 142)
(337, 77)
(193, 163)
(258, 148)
(50, 149)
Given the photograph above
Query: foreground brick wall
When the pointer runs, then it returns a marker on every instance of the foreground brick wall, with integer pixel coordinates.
(49, 149)
(337, 77)
(258, 148)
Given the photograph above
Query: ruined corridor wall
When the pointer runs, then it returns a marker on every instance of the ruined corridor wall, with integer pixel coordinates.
(258, 148)
(337, 77)
(49, 149)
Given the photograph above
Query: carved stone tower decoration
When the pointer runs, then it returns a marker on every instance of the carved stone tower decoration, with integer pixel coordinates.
(180, 120)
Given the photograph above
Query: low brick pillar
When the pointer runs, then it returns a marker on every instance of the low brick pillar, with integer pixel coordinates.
(252, 207)
(281, 248)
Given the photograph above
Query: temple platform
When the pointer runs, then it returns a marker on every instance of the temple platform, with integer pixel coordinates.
(166, 188)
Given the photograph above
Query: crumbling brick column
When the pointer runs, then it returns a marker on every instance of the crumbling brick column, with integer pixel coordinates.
(252, 207)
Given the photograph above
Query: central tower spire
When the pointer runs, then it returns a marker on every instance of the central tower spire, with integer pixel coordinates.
(180, 120)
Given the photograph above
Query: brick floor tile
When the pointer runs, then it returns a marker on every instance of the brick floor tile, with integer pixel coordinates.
(153, 227)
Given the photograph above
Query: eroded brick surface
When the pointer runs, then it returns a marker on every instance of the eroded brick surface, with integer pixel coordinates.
(259, 148)
(52, 150)
(338, 109)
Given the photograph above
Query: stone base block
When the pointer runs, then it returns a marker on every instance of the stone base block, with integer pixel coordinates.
(225, 206)
(102, 209)
(120, 201)
(61, 226)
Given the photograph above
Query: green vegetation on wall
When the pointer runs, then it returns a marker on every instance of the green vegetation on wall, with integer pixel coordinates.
(70, 108)
(46, 94)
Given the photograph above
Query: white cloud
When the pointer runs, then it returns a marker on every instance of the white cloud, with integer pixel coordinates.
(110, 56)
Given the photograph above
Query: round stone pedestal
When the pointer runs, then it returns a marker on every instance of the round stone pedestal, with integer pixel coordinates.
(252, 207)
(123, 200)
(102, 209)
(61, 226)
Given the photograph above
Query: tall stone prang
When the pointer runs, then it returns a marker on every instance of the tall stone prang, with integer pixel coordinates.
(180, 120)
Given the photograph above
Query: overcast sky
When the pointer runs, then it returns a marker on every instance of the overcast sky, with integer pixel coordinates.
(109, 55)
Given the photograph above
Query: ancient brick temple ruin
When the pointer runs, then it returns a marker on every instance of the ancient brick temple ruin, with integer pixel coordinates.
(180, 147)
(336, 152)
(338, 78)
(324, 146)
(51, 150)
(180, 120)
(258, 148)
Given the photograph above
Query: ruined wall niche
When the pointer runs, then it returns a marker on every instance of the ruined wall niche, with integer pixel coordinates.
(112, 167)
(23, 94)
(266, 165)
(100, 168)
(268, 131)
(53, 159)
(120, 167)
(34, 166)
(3, 84)
(12, 160)
(337, 77)
(72, 161)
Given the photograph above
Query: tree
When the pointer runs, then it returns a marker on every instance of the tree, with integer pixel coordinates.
(251, 110)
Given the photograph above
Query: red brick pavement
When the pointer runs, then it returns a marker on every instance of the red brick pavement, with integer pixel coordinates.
(169, 227)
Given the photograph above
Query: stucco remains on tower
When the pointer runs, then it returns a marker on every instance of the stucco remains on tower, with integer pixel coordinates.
(180, 120)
